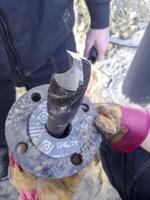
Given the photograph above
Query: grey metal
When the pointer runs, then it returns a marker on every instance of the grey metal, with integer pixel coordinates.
(45, 155)
(51, 146)
(62, 141)
(65, 94)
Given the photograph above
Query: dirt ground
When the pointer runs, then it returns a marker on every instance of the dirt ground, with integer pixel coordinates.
(128, 22)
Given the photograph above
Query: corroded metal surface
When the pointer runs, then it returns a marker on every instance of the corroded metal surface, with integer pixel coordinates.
(46, 156)
(54, 147)
(63, 141)
(65, 94)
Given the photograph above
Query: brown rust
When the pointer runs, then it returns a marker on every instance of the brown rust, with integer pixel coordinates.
(63, 103)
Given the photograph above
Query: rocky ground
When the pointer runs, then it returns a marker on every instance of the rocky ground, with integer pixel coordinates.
(128, 22)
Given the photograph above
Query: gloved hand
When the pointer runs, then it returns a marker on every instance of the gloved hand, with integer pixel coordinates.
(125, 127)
(108, 121)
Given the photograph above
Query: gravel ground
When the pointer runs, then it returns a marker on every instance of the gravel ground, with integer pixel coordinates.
(114, 71)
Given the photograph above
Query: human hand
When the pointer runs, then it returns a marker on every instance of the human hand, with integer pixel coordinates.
(127, 127)
(108, 121)
(98, 38)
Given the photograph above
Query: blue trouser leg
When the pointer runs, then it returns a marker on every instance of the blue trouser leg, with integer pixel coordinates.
(7, 98)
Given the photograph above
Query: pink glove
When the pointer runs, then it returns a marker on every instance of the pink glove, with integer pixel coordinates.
(124, 126)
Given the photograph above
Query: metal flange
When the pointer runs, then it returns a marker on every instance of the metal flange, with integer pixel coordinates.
(40, 153)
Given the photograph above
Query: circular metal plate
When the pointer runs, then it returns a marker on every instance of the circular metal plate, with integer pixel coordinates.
(45, 155)
(49, 145)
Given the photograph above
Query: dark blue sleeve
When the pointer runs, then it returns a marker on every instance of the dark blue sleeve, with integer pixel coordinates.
(99, 12)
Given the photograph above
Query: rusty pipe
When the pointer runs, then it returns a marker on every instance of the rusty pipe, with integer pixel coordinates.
(65, 95)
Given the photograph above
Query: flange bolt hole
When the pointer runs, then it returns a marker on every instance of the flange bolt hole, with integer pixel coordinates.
(36, 97)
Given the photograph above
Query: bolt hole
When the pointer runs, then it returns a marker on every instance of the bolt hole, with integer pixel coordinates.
(85, 107)
(76, 159)
(36, 97)
(21, 148)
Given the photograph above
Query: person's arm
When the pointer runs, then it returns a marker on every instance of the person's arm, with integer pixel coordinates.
(98, 35)
(99, 11)
(125, 127)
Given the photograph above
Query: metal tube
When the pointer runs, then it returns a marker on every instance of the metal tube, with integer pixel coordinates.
(65, 95)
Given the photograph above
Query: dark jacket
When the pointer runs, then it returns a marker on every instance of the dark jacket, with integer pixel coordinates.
(30, 30)
(128, 173)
